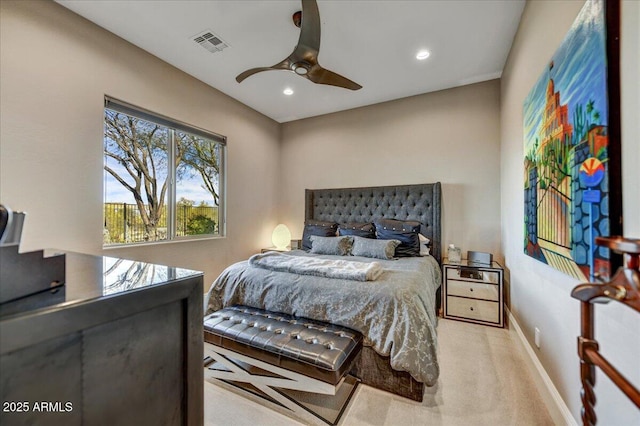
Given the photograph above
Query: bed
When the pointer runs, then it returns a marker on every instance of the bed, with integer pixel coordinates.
(396, 313)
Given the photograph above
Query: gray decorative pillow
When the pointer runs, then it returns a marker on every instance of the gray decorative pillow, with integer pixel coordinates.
(379, 249)
(340, 246)
(317, 227)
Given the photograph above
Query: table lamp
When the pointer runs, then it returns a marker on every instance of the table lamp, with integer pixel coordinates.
(281, 237)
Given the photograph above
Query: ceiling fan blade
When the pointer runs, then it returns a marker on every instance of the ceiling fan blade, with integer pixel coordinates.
(309, 27)
(284, 65)
(252, 71)
(321, 75)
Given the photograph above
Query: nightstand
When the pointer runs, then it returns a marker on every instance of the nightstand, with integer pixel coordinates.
(472, 292)
(264, 250)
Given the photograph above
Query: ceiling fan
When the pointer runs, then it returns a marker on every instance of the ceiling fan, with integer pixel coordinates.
(304, 59)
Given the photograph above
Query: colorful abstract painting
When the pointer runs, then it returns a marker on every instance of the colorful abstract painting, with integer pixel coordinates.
(566, 153)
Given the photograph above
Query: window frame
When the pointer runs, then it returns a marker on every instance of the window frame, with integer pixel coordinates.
(172, 125)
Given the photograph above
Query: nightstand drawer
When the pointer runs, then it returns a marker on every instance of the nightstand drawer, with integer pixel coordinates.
(480, 310)
(474, 290)
(473, 274)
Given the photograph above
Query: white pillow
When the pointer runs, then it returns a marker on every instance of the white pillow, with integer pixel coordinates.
(424, 245)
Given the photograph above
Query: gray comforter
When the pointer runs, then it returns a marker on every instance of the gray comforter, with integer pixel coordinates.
(396, 313)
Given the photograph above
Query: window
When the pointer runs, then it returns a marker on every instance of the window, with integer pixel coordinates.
(163, 180)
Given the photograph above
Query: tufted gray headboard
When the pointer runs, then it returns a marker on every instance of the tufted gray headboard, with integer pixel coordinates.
(406, 202)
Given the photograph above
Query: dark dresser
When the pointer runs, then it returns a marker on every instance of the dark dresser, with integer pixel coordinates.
(116, 342)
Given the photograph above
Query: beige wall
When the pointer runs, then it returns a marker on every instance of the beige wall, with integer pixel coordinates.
(56, 68)
(451, 136)
(540, 295)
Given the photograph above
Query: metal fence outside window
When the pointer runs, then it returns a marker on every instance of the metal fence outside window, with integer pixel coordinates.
(123, 223)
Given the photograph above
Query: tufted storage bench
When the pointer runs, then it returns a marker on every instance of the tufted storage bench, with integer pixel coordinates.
(299, 354)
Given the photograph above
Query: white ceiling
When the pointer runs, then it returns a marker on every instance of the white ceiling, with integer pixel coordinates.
(373, 43)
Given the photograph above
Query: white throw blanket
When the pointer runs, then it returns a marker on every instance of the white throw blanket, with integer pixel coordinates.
(329, 268)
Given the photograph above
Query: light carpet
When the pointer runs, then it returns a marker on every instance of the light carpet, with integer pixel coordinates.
(484, 380)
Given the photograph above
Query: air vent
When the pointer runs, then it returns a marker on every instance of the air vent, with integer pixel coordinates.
(210, 41)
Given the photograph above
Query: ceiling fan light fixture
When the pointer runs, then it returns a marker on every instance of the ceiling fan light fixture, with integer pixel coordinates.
(300, 68)
(422, 55)
(288, 91)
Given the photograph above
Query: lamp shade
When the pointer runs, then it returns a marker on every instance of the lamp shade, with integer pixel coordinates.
(281, 237)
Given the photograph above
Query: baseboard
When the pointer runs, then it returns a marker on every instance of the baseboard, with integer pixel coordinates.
(558, 410)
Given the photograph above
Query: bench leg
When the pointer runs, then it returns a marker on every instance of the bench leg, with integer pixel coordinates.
(304, 397)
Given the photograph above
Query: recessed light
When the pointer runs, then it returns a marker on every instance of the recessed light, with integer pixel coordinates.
(422, 55)
(288, 91)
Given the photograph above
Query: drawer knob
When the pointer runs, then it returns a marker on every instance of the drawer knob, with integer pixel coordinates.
(471, 308)
(470, 289)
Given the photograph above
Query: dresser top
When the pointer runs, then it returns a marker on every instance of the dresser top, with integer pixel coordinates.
(89, 278)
